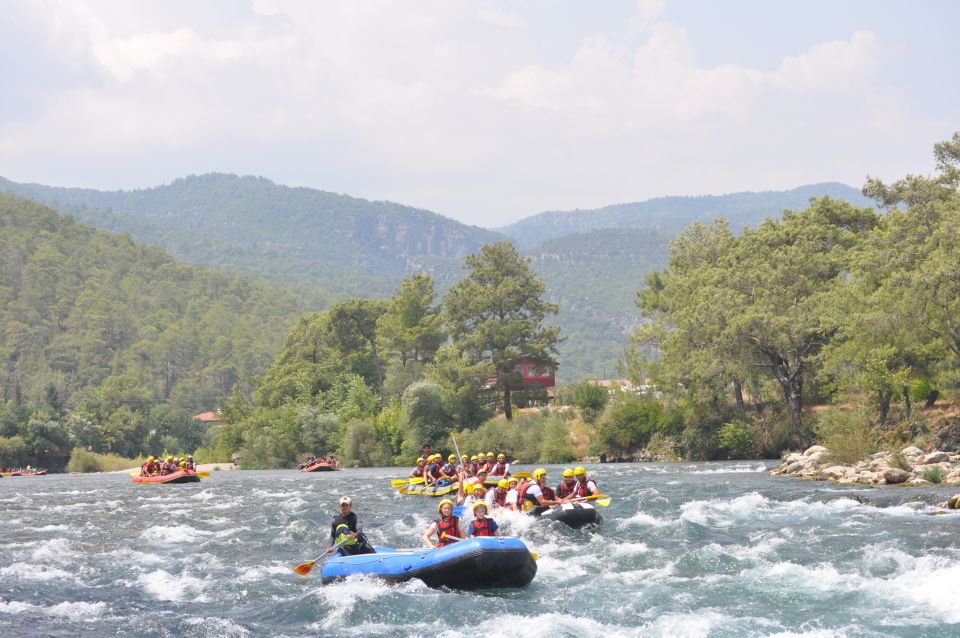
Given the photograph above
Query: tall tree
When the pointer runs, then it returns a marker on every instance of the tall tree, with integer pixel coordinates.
(412, 326)
(496, 314)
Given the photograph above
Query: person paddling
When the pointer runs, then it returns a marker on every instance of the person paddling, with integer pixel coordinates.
(585, 486)
(347, 524)
(536, 496)
(446, 528)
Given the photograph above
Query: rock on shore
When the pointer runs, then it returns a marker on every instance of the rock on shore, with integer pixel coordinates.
(882, 468)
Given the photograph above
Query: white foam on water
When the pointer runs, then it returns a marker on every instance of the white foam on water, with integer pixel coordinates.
(342, 598)
(630, 549)
(816, 633)
(547, 625)
(754, 506)
(204, 495)
(642, 519)
(76, 612)
(50, 528)
(35, 571)
(261, 572)
(165, 586)
(698, 624)
(650, 576)
(927, 588)
(138, 557)
(215, 627)
(171, 535)
(736, 469)
(56, 550)
(232, 531)
(294, 503)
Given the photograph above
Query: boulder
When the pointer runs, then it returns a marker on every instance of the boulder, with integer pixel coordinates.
(834, 472)
(936, 457)
(815, 449)
(895, 476)
(911, 451)
(948, 435)
(954, 502)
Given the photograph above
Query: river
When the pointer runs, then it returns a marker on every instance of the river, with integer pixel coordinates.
(685, 549)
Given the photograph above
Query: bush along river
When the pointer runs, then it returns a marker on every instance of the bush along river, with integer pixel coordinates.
(684, 549)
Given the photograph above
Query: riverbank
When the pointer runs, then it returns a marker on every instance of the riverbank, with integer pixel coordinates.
(910, 466)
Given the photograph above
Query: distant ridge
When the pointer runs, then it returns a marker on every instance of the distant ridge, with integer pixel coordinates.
(669, 215)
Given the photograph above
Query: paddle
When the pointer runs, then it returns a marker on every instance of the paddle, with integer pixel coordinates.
(520, 475)
(304, 568)
(203, 474)
(395, 483)
(603, 500)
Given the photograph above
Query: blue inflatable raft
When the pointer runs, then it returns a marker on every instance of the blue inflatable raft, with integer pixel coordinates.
(476, 563)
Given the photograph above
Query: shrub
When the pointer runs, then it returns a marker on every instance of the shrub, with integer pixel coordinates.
(899, 461)
(84, 461)
(589, 398)
(847, 435)
(736, 439)
(934, 474)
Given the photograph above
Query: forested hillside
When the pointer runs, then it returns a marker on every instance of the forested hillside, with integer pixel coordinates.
(327, 247)
(120, 332)
(300, 236)
(668, 216)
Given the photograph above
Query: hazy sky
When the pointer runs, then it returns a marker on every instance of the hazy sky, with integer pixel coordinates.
(483, 111)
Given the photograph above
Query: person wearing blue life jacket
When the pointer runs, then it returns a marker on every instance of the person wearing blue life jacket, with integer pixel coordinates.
(432, 474)
(347, 527)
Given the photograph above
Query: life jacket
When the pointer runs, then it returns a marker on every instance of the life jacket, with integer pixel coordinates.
(499, 469)
(434, 471)
(499, 498)
(488, 466)
(451, 526)
(548, 494)
(566, 489)
(581, 489)
(417, 471)
(481, 526)
(448, 469)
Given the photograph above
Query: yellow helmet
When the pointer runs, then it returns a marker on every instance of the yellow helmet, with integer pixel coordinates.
(452, 457)
(489, 455)
(482, 504)
(504, 483)
(473, 458)
(539, 472)
(445, 501)
(501, 457)
(169, 458)
(189, 457)
(420, 459)
(464, 457)
(468, 488)
(568, 473)
(580, 470)
(480, 455)
(150, 458)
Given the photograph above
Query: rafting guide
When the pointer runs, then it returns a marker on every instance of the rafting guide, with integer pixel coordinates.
(346, 531)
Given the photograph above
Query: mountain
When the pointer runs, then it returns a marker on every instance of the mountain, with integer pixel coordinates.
(327, 246)
(670, 215)
(300, 236)
(82, 309)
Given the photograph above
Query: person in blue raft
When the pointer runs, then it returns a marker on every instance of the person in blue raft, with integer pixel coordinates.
(346, 528)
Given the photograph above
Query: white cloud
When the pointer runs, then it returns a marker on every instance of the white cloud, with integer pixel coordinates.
(477, 112)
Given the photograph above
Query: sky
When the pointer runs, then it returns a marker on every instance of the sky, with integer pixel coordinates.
(483, 111)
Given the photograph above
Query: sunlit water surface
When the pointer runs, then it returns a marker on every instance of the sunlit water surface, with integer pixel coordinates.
(719, 549)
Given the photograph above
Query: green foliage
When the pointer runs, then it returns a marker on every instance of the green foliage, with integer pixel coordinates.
(847, 435)
(13, 451)
(934, 474)
(83, 461)
(425, 421)
(736, 439)
(590, 398)
(529, 438)
(496, 314)
(899, 461)
(628, 423)
(361, 445)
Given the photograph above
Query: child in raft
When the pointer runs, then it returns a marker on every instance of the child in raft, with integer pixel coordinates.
(481, 525)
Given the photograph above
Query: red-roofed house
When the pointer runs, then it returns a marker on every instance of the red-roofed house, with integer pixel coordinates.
(206, 417)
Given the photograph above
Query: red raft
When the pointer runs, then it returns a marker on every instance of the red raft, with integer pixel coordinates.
(24, 473)
(182, 476)
(320, 466)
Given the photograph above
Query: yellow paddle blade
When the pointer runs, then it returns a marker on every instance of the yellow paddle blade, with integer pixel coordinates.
(602, 502)
(398, 483)
(416, 480)
(203, 474)
(304, 568)
(403, 490)
(134, 473)
(535, 555)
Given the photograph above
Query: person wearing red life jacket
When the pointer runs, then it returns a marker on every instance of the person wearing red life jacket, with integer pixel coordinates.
(420, 469)
(432, 475)
(500, 467)
(567, 488)
(446, 528)
(148, 468)
(449, 469)
(497, 496)
(465, 469)
(585, 486)
(535, 497)
(190, 465)
(481, 525)
(489, 462)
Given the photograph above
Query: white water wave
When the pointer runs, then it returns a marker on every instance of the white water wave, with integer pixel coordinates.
(169, 535)
(35, 571)
(215, 628)
(174, 588)
(736, 469)
(75, 612)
